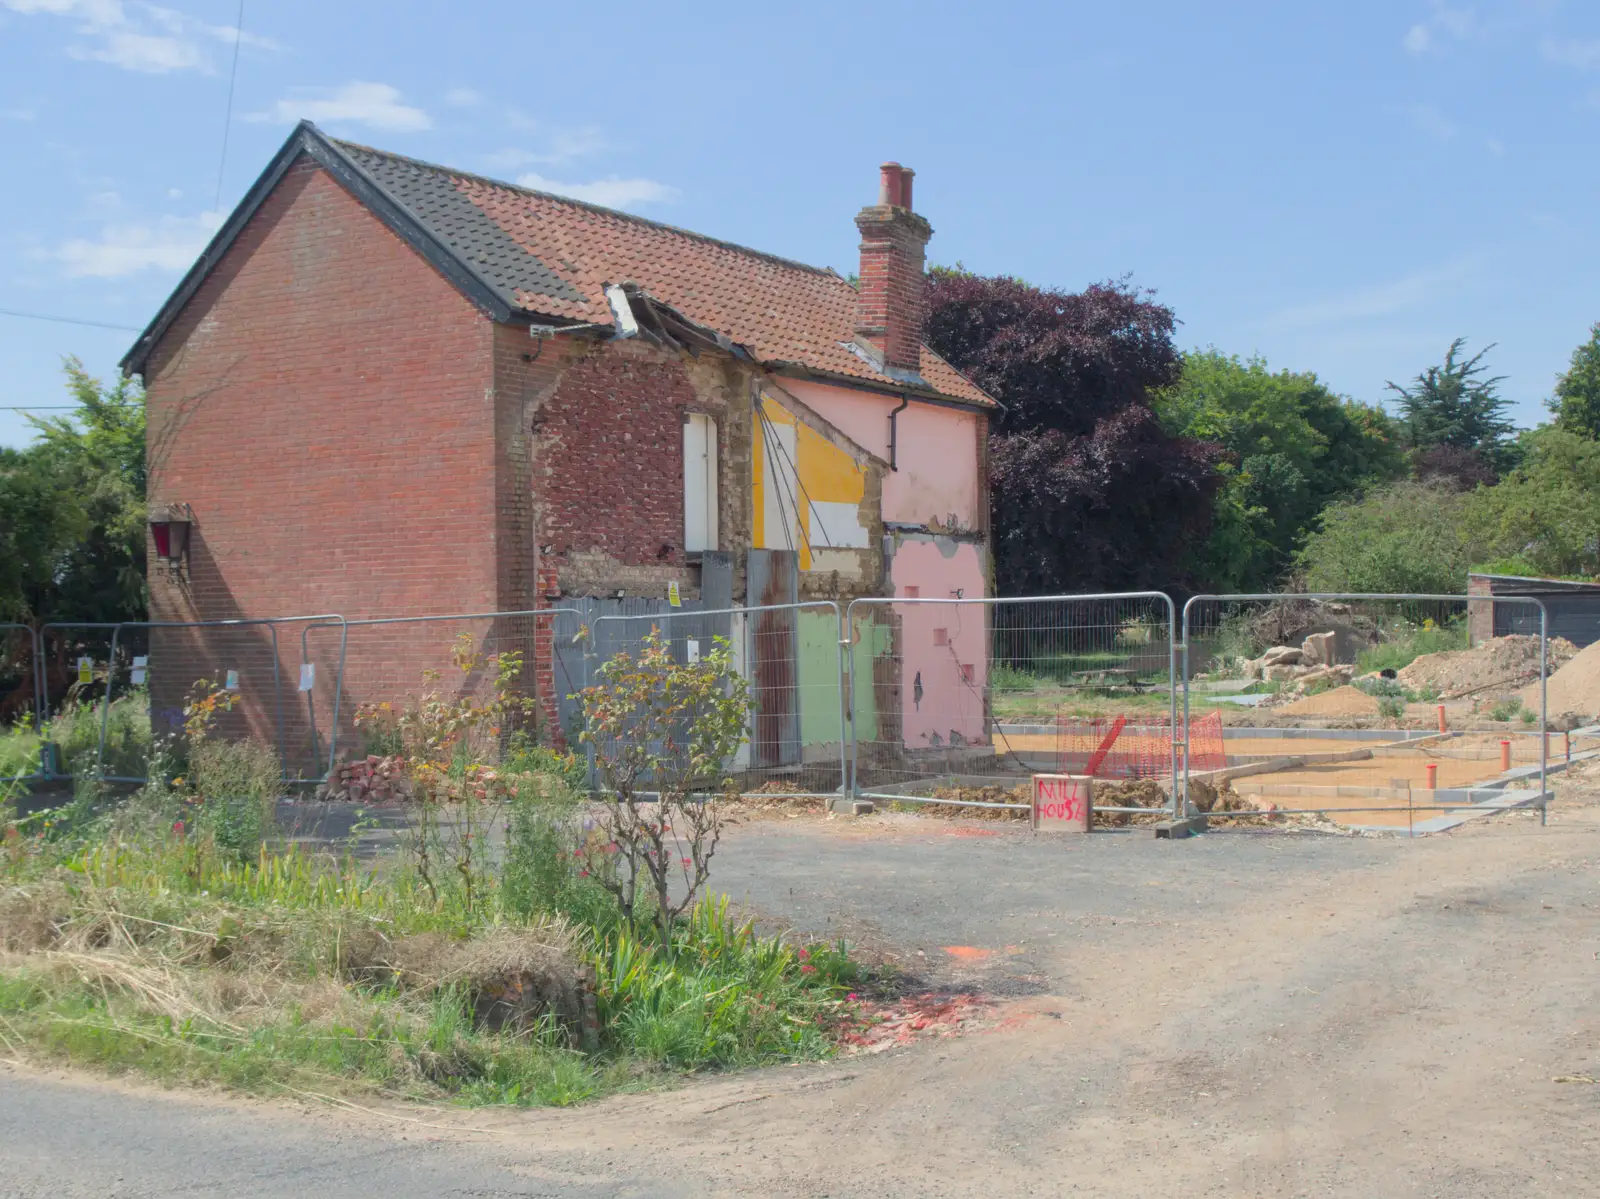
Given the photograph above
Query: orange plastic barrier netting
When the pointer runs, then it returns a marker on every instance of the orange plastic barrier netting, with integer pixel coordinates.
(1134, 747)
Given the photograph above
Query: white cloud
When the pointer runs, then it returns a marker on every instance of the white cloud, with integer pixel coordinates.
(463, 97)
(154, 55)
(1425, 118)
(374, 104)
(170, 244)
(18, 113)
(611, 192)
(1418, 290)
(555, 145)
(1572, 52)
(139, 37)
(1443, 23)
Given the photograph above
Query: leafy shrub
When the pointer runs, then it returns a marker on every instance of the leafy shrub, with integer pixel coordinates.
(1392, 707)
(662, 730)
(1403, 537)
(1004, 678)
(234, 789)
(522, 756)
(1410, 643)
(1506, 709)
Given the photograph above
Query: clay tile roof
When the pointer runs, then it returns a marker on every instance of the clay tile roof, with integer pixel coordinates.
(552, 257)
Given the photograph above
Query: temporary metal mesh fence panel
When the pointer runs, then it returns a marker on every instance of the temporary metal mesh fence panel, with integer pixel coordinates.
(959, 700)
(1325, 675)
(383, 661)
(114, 693)
(789, 657)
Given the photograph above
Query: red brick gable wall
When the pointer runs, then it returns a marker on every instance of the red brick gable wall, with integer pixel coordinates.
(326, 406)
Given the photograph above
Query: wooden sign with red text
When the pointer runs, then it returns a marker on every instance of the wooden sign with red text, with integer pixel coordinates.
(1061, 803)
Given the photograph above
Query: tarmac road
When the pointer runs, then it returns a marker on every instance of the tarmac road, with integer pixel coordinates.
(1241, 1014)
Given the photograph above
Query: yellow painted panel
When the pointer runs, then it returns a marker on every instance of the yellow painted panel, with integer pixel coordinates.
(827, 472)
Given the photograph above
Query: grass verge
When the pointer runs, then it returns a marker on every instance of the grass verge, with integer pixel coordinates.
(140, 940)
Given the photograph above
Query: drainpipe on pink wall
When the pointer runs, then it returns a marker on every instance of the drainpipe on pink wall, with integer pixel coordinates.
(894, 454)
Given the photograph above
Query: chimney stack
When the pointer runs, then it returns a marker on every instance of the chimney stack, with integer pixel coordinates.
(894, 243)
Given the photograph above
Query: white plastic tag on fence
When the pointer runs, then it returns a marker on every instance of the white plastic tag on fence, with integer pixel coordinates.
(232, 683)
(694, 652)
(308, 675)
(85, 670)
(140, 667)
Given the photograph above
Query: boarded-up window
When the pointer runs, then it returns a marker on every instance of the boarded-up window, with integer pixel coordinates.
(699, 483)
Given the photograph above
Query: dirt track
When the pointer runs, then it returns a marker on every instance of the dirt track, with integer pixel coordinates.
(1244, 1014)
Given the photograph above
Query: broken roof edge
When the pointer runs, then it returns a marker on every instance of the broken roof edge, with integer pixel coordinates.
(307, 139)
(925, 394)
(590, 206)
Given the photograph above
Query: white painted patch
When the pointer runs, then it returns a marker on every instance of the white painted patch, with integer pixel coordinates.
(837, 525)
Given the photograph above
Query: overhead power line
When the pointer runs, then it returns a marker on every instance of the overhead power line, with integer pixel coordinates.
(227, 115)
(67, 320)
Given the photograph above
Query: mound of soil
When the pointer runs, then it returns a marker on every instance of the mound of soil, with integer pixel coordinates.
(1500, 665)
(1341, 701)
(1129, 793)
(512, 977)
(1573, 688)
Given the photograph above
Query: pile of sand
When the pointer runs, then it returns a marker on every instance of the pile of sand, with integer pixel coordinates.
(1341, 701)
(1573, 688)
(1500, 665)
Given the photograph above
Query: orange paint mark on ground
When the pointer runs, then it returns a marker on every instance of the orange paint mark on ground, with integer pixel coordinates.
(971, 832)
(968, 953)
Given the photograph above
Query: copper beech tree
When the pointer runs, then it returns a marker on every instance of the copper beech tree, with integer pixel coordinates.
(663, 733)
(1089, 491)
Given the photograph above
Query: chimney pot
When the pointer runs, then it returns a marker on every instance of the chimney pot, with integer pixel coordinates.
(889, 184)
(906, 175)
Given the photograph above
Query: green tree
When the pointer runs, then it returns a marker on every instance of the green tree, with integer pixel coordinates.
(1454, 408)
(1577, 400)
(1295, 446)
(1402, 537)
(72, 510)
(1544, 517)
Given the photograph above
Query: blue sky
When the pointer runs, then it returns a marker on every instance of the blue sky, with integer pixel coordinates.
(1341, 188)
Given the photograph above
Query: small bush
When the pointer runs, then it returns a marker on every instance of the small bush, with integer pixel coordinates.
(1410, 643)
(1392, 707)
(234, 791)
(1004, 678)
(522, 756)
(1506, 709)
(1529, 716)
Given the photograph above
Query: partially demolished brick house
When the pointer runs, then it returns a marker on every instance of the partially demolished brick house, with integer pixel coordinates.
(393, 389)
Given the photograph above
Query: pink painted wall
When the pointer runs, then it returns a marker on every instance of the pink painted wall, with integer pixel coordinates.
(938, 451)
(946, 644)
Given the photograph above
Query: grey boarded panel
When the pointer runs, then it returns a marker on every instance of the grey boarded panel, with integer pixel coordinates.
(716, 580)
(774, 579)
